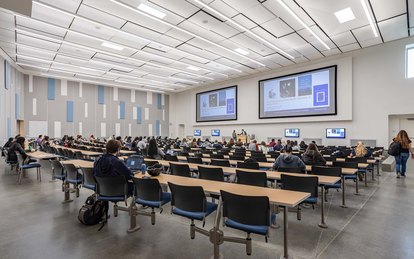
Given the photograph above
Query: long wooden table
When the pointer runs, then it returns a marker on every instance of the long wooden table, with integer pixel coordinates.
(84, 152)
(41, 155)
(283, 198)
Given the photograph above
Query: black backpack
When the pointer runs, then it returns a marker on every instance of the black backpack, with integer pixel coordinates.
(93, 211)
(394, 149)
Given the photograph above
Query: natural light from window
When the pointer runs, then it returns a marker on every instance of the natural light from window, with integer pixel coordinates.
(409, 61)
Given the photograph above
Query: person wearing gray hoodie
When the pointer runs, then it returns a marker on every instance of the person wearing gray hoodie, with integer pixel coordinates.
(286, 159)
(312, 156)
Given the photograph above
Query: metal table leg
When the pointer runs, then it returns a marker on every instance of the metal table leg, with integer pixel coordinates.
(323, 224)
(66, 192)
(357, 185)
(285, 234)
(343, 191)
(366, 176)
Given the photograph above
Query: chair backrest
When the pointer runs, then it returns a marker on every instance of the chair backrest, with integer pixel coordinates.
(71, 172)
(171, 158)
(150, 163)
(345, 164)
(77, 155)
(217, 156)
(206, 151)
(57, 168)
(258, 154)
(135, 162)
(61, 151)
(88, 176)
(20, 159)
(195, 160)
(224, 151)
(250, 210)
(356, 159)
(220, 162)
(274, 154)
(183, 153)
(327, 170)
(111, 186)
(148, 189)
(70, 153)
(188, 198)
(240, 151)
(261, 159)
(300, 183)
(198, 155)
(237, 157)
(248, 165)
(180, 170)
(290, 169)
(211, 173)
(330, 158)
(251, 178)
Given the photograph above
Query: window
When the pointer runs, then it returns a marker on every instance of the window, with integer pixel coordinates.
(409, 61)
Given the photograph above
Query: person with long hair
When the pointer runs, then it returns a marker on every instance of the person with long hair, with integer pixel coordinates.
(406, 149)
(312, 156)
(153, 150)
(360, 150)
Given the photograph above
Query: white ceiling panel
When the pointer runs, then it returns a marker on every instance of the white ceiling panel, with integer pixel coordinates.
(40, 26)
(252, 9)
(105, 57)
(180, 7)
(243, 21)
(365, 34)
(222, 7)
(100, 16)
(201, 32)
(394, 28)
(50, 15)
(91, 29)
(142, 31)
(68, 5)
(277, 27)
(210, 23)
(6, 20)
(7, 35)
(243, 40)
(291, 41)
(384, 10)
(78, 52)
(312, 39)
(37, 42)
(344, 38)
(197, 51)
(350, 47)
(35, 52)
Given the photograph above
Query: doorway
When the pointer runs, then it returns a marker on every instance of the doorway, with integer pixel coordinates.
(181, 130)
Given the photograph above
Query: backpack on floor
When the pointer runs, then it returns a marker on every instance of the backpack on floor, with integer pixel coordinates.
(93, 211)
(394, 149)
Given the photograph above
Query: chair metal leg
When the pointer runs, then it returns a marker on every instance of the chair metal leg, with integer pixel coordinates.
(248, 245)
(192, 230)
(152, 217)
(115, 210)
(299, 213)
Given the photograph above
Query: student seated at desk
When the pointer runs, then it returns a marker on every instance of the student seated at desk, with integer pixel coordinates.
(312, 156)
(109, 165)
(154, 151)
(286, 159)
(360, 150)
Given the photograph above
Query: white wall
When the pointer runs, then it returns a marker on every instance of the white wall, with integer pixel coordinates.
(371, 86)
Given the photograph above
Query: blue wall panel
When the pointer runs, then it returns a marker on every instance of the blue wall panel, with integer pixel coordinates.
(157, 127)
(101, 94)
(69, 111)
(122, 110)
(51, 89)
(17, 106)
(159, 104)
(139, 115)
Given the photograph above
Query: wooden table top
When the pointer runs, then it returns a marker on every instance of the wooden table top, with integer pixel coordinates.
(79, 163)
(276, 196)
(84, 152)
(41, 155)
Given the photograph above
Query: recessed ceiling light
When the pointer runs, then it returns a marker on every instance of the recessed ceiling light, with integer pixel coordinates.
(241, 51)
(112, 46)
(345, 15)
(152, 11)
(193, 68)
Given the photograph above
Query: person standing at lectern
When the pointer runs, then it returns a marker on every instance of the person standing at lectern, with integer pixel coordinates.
(243, 132)
(234, 135)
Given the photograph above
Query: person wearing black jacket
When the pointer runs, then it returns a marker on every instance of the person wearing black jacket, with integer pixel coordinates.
(7, 145)
(17, 146)
(108, 165)
(312, 156)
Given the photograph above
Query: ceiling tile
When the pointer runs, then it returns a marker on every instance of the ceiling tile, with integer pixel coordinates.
(384, 10)
(394, 28)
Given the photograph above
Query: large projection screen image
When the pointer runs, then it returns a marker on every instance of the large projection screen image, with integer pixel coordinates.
(217, 105)
(309, 93)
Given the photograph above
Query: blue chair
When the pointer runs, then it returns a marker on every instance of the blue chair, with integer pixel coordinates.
(302, 184)
(148, 192)
(347, 165)
(57, 171)
(23, 166)
(250, 214)
(88, 181)
(72, 176)
(12, 163)
(328, 171)
(190, 202)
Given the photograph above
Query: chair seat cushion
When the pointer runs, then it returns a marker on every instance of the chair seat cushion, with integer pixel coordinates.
(196, 215)
(256, 229)
(111, 198)
(60, 177)
(32, 165)
(166, 197)
(351, 177)
(313, 200)
(78, 181)
(333, 186)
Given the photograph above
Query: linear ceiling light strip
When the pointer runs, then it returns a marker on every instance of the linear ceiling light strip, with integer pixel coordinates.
(291, 12)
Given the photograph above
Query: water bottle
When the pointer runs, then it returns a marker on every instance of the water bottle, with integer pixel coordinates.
(143, 168)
